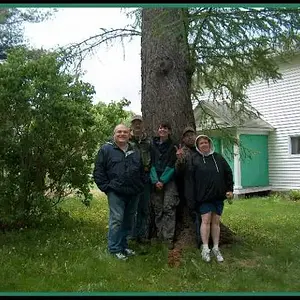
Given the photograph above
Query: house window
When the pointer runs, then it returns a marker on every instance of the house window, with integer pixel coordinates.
(295, 144)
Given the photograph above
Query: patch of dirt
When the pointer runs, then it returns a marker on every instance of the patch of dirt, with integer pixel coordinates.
(227, 236)
(174, 258)
(186, 237)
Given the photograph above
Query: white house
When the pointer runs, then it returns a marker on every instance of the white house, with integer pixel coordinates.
(274, 137)
(279, 105)
(249, 158)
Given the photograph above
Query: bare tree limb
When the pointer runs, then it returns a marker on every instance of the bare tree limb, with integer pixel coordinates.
(80, 51)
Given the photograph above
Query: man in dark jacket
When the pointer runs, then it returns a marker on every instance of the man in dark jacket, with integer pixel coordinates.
(119, 173)
(141, 142)
(184, 151)
(209, 181)
(186, 148)
(164, 198)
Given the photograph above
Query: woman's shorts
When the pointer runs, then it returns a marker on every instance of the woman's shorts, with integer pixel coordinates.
(216, 207)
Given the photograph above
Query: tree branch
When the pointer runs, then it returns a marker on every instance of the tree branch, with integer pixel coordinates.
(82, 49)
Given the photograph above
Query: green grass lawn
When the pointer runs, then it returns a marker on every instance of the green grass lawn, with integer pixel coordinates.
(71, 256)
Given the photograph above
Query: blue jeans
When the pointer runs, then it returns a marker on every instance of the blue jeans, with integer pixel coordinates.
(121, 213)
(141, 220)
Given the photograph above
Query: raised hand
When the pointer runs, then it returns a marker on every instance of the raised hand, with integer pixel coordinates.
(179, 151)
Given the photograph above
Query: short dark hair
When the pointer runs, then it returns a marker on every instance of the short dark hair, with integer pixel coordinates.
(165, 125)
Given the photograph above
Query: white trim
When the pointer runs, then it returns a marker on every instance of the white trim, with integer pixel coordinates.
(237, 165)
(253, 189)
(244, 130)
(222, 146)
(277, 189)
(262, 131)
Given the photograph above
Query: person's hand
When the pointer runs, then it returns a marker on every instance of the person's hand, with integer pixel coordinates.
(159, 185)
(229, 195)
(179, 151)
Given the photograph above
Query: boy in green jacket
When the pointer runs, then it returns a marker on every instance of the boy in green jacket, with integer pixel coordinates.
(164, 198)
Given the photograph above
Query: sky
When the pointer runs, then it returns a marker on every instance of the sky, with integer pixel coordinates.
(113, 75)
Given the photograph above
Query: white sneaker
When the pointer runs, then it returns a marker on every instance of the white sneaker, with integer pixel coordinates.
(120, 256)
(129, 252)
(205, 253)
(218, 255)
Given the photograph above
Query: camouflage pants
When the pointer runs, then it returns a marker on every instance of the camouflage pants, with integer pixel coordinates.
(164, 206)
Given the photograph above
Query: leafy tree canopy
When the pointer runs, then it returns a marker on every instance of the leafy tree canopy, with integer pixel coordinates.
(228, 47)
(50, 131)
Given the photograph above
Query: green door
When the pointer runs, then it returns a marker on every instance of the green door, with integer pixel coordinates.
(254, 160)
(226, 152)
(217, 144)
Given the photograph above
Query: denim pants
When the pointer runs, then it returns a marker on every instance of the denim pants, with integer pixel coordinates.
(122, 209)
(141, 219)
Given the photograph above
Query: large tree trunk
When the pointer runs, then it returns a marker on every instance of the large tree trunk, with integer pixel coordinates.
(166, 81)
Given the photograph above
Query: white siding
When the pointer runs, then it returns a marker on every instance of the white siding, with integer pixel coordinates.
(279, 104)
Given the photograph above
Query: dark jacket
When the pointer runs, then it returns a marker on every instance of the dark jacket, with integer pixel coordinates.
(181, 162)
(144, 146)
(208, 178)
(181, 170)
(163, 158)
(117, 171)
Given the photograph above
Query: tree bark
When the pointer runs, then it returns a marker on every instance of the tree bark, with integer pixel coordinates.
(165, 65)
(166, 88)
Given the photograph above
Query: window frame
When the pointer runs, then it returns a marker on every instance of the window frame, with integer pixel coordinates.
(290, 145)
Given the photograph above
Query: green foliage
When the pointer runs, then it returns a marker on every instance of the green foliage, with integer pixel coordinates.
(108, 116)
(294, 195)
(231, 48)
(47, 135)
(12, 24)
(50, 132)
